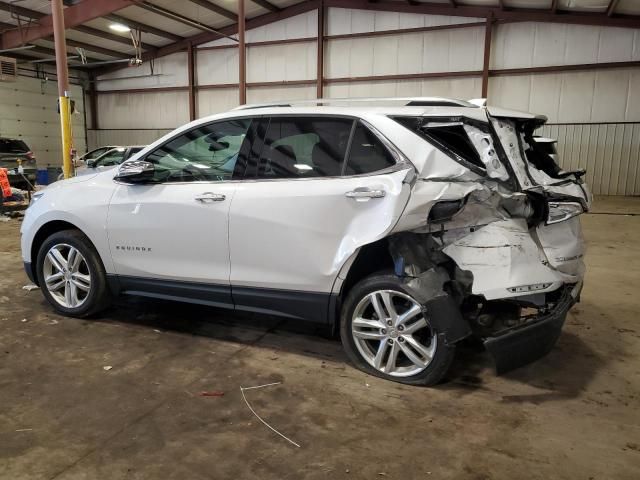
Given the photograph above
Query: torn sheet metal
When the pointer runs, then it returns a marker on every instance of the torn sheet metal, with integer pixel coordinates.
(483, 142)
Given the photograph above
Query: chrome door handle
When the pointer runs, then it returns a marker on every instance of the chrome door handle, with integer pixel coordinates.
(364, 193)
(210, 197)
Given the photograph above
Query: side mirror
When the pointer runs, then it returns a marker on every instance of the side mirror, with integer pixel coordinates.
(91, 163)
(135, 171)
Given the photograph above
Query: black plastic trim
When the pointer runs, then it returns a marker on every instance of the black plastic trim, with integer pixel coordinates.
(315, 307)
(29, 271)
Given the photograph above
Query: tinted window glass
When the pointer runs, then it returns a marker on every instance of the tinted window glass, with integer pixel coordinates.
(206, 153)
(304, 147)
(113, 157)
(448, 136)
(367, 153)
(12, 146)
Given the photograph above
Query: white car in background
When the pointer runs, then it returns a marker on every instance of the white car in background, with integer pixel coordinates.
(407, 225)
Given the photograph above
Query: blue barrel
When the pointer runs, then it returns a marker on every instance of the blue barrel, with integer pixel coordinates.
(42, 177)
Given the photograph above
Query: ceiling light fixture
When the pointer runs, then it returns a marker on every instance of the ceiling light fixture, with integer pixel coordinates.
(118, 27)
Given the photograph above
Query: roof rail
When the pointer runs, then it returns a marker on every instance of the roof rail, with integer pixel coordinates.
(404, 101)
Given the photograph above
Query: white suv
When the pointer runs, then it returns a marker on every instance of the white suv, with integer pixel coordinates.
(407, 225)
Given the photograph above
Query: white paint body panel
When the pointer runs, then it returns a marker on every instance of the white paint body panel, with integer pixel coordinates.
(302, 234)
(296, 235)
(188, 239)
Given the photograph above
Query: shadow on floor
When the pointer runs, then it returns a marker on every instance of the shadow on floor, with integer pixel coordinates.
(563, 373)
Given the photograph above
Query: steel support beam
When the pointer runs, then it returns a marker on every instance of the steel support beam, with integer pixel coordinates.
(506, 15)
(242, 49)
(176, 17)
(320, 52)
(93, 101)
(487, 56)
(95, 49)
(111, 37)
(133, 24)
(215, 9)
(191, 77)
(73, 16)
(267, 5)
(612, 7)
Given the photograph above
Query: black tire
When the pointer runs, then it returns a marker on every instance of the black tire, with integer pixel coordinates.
(441, 359)
(98, 297)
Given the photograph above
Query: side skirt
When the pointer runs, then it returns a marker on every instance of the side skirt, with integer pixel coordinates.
(314, 307)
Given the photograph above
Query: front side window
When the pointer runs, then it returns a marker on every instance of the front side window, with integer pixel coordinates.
(302, 147)
(206, 153)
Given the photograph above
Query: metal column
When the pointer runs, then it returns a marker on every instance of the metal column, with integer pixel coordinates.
(62, 71)
(242, 80)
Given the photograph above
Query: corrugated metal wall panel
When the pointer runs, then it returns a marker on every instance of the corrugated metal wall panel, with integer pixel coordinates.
(216, 101)
(597, 96)
(526, 44)
(143, 110)
(456, 88)
(609, 152)
(217, 66)
(343, 20)
(96, 138)
(28, 110)
(437, 51)
(294, 61)
(169, 71)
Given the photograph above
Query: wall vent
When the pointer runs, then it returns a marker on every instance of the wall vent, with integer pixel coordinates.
(8, 69)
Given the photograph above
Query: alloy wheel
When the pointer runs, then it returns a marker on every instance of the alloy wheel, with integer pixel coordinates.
(392, 333)
(66, 275)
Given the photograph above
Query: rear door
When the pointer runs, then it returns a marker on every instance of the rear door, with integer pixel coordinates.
(302, 210)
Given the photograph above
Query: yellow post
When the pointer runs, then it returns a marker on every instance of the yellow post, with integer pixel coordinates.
(62, 72)
(65, 126)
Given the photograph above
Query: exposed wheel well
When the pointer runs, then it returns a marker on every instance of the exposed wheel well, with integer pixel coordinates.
(45, 231)
(372, 258)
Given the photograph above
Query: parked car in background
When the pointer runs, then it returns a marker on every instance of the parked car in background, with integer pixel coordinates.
(93, 154)
(109, 159)
(19, 161)
(406, 228)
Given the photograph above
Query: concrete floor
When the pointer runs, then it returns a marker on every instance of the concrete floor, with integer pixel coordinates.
(573, 414)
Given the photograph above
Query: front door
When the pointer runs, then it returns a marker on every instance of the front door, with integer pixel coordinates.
(170, 236)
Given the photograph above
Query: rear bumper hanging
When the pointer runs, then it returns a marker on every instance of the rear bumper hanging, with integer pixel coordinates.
(534, 340)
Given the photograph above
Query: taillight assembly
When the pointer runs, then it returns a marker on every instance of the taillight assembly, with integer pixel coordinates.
(30, 155)
(561, 211)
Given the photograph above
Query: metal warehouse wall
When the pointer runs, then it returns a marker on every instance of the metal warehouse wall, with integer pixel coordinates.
(28, 111)
(581, 105)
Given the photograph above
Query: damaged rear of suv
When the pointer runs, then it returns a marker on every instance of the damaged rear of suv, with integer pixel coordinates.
(489, 245)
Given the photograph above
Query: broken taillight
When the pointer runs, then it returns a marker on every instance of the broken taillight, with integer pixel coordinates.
(561, 211)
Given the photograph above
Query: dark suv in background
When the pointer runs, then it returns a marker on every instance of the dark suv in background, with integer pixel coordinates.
(13, 155)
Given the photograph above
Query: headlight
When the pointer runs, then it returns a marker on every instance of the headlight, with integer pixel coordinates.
(561, 211)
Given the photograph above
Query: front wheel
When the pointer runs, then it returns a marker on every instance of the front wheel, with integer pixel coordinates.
(387, 333)
(71, 275)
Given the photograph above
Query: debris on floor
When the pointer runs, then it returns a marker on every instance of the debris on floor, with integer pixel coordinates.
(106, 368)
(242, 390)
(30, 287)
(213, 393)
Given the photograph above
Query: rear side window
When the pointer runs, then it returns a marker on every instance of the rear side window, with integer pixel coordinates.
(12, 146)
(301, 147)
(367, 153)
(448, 136)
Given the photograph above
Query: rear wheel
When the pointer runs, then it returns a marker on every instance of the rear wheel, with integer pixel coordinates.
(71, 275)
(386, 332)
